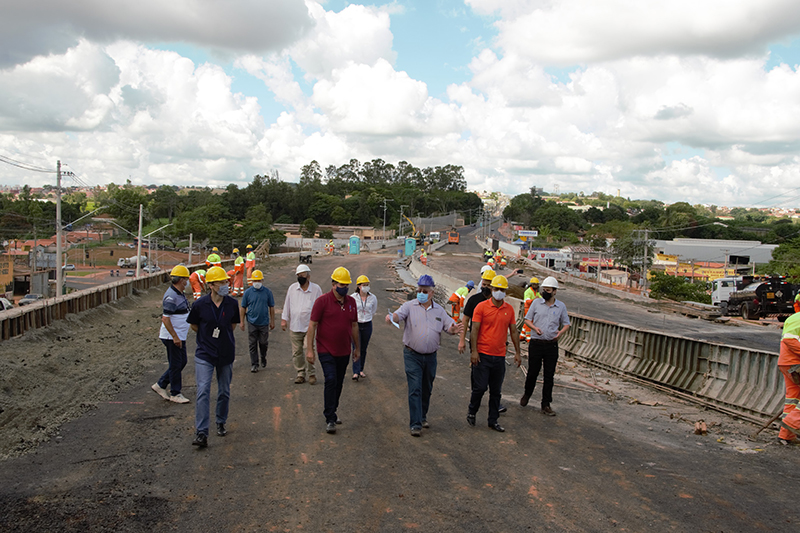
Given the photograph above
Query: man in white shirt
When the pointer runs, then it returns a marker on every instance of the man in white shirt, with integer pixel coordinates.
(300, 298)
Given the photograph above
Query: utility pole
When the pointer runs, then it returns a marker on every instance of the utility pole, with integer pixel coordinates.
(139, 245)
(400, 227)
(190, 251)
(59, 270)
(384, 216)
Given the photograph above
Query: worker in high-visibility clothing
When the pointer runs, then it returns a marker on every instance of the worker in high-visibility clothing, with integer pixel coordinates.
(230, 273)
(789, 366)
(531, 293)
(238, 273)
(423, 257)
(487, 254)
(198, 282)
(250, 264)
(213, 258)
(459, 298)
(797, 303)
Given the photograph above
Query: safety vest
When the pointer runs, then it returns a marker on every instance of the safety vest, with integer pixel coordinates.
(251, 260)
(531, 294)
(238, 264)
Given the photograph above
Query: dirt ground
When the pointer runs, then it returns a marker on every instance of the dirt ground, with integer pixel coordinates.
(118, 458)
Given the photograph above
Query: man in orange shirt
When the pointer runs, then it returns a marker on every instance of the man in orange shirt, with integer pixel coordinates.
(492, 321)
(789, 366)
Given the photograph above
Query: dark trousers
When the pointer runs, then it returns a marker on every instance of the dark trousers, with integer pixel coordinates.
(176, 357)
(258, 338)
(334, 369)
(540, 353)
(364, 334)
(487, 374)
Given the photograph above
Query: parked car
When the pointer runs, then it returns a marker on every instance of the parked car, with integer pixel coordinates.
(30, 298)
(5, 304)
(150, 269)
(130, 273)
(68, 267)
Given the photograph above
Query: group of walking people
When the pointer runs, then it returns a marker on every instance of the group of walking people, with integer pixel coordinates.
(335, 327)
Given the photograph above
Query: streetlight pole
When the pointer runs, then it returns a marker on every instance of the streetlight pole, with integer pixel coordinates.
(384, 217)
(59, 271)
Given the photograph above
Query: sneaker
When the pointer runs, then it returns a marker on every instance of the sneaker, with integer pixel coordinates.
(312, 380)
(164, 393)
(338, 421)
(502, 409)
(299, 379)
(221, 431)
(331, 428)
(471, 420)
(416, 432)
(425, 424)
(200, 440)
(254, 369)
(179, 398)
(547, 411)
(497, 427)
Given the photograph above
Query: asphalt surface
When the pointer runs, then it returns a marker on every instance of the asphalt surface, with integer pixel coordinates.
(128, 465)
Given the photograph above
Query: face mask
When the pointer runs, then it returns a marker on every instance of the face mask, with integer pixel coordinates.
(498, 295)
(365, 289)
(422, 297)
(301, 280)
(547, 295)
(223, 290)
(486, 291)
(257, 284)
(341, 291)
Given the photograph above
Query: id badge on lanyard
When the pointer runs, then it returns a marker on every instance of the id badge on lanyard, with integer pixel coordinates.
(215, 333)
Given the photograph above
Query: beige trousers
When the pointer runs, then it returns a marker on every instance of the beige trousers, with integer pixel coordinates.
(301, 365)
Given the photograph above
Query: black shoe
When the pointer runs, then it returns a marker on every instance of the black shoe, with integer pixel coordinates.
(254, 368)
(471, 420)
(263, 362)
(497, 427)
(524, 400)
(221, 431)
(200, 440)
(502, 409)
(547, 411)
(331, 428)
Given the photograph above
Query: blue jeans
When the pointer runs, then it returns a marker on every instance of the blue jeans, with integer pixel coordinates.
(334, 370)
(176, 357)
(488, 374)
(203, 372)
(364, 334)
(420, 373)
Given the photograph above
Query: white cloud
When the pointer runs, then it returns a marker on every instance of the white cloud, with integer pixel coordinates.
(40, 27)
(569, 32)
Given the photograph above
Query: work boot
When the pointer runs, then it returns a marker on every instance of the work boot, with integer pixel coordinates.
(200, 440)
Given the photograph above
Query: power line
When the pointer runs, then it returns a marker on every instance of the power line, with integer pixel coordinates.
(24, 166)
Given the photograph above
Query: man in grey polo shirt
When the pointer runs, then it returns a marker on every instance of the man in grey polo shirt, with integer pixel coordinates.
(548, 320)
(424, 323)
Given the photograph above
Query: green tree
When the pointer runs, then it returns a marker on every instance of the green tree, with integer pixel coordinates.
(677, 288)
(309, 228)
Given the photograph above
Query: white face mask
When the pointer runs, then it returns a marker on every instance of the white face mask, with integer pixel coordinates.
(365, 289)
(257, 285)
(498, 295)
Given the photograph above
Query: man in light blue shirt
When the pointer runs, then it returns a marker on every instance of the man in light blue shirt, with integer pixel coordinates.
(548, 320)
(424, 323)
(258, 308)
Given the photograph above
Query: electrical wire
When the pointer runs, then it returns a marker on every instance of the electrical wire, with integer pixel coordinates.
(25, 166)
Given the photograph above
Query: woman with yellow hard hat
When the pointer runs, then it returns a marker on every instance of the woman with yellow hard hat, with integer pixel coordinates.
(367, 306)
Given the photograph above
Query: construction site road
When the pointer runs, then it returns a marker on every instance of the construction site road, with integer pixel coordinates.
(89, 447)
(463, 261)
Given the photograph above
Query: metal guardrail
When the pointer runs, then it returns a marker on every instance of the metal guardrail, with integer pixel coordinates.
(17, 321)
(731, 377)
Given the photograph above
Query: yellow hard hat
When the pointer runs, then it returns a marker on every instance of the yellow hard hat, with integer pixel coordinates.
(257, 275)
(534, 281)
(489, 274)
(362, 279)
(249, 246)
(341, 275)
(216, 274)
(499, 282)
(180, 271)
(235, 251)
(215, 249)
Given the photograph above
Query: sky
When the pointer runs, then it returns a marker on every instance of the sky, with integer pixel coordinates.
(695, 101)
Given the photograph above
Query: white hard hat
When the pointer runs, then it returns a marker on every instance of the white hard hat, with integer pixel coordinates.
(550, 282)
(484, 268)
(302, 268)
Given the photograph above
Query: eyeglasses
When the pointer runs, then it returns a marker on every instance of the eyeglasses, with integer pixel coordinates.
(425, 291)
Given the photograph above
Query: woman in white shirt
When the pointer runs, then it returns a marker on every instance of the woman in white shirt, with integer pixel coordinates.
(367, 305)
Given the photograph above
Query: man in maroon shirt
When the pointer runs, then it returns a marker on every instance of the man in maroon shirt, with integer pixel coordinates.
(334, 323)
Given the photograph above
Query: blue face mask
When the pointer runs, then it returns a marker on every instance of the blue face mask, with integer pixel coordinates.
(223, 291)
(342, 291)
(422, 297)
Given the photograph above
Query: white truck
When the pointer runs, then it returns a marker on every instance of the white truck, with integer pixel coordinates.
(130, 262)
